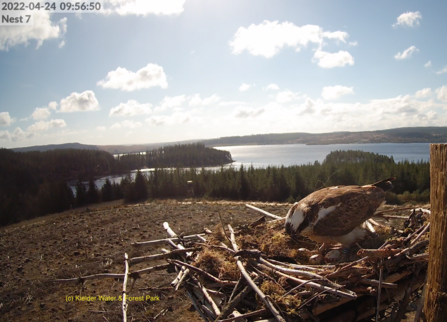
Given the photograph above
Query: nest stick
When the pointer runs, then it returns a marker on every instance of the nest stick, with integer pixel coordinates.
(233, 303)
(163, 241)
(348, 294)
(420, 234)
(264, 298)
(264, 212)
(126, 274)
(291, 271)
(379, 291)
(202, 272)
(244, 316)
(135, 260)
(196, 305)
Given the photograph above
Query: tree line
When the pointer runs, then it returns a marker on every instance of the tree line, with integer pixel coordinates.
(35, 185)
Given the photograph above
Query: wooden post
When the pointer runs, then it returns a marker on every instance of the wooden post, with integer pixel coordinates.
(436, 297)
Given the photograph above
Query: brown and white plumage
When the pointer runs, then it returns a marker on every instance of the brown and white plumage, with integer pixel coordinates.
(334, 215)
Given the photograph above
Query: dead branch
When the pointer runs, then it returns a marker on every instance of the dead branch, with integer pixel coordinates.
(166, 240)
(263, 297)
(264, 212)
(135, 260)
(202, 272)
(126, 274)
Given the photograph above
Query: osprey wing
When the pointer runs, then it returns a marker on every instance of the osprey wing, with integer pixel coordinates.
(351, 205)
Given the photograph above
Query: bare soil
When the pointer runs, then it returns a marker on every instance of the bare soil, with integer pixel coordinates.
(94, 240)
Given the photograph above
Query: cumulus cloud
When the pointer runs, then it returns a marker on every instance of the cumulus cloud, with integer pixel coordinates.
(130, 108)
(442, 93)
(406, 54)
(52, 105)
(126, 124)
(144, 7)
(271, 87)
(101, 128)
(335, 92)
(331, 60)
(5, 136)
(287, 96)
(150, 76)
(42, 29)
(423, 93)
(174, 119)
(442, 71)
(308, 107)
(171, 102)
(409, 19)
(269, 37)
(46, 125)
(195, 100)
(41, 113)
(428, 64)
(247, 112)
(79, 102)
(244, 87)
(5, 118)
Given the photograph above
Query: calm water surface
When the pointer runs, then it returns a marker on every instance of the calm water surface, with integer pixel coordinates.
(298, 154)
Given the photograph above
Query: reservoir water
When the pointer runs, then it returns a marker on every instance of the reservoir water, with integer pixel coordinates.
(298, 154)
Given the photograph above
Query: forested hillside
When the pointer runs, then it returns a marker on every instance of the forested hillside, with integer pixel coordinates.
(186, 155)
(399, 135)
(34, 183)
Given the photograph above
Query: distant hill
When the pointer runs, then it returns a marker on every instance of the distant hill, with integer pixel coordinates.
(398, 135)
(43, 148)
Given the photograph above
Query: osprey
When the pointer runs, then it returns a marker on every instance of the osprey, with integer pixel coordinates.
(334, 215)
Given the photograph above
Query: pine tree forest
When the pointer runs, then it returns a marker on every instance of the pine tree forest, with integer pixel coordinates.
(34, 184)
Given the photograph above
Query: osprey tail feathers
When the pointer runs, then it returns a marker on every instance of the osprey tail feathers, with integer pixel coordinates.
(385, 185)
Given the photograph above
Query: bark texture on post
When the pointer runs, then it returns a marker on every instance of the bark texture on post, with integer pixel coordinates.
(436, 296)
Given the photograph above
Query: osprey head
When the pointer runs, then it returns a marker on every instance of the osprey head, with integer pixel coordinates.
(297, 220)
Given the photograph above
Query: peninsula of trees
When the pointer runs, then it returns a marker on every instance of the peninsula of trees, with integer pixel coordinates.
(34, 183)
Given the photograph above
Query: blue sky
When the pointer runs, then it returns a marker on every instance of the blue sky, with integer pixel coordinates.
(144, 71)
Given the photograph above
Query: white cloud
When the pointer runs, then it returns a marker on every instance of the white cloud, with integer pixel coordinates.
(5, 136)
(126, 124)
(196, 100)
(130, 108)
(144, 7)
(246, 112)
(335, 92)
(79, 102)
(170, 102)
(52, 105)
(150, 76)
(308, 107)
(46, 125)
(41, 113)
(5, 119)
(18, 135)
(287, 96)
(442, 93)
(101, 128)
(174, 119)
(244, 87)
(410, 19)
(42, 29)
(328, 60)
(423, 93)
(428, 64)
(407, 53)
(269, 37)
(271, 87)
(442, 71)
